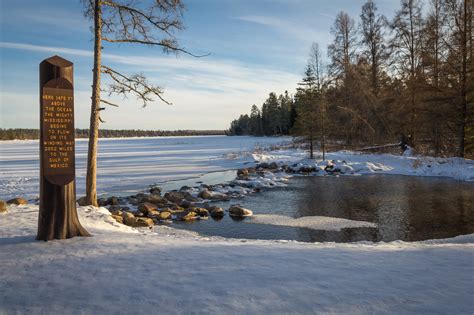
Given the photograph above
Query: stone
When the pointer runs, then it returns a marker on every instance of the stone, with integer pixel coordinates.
(82, 201)
(263, 165)
(165, 215)
(273, 165)
(243, 173)
(116, 212)
(133, 201)
(3, 206)
(18, 201)
(155, 199)
(187, 215)
(186, 204)
(153, 214)
(114, 201)
(128, 218)
(238, 211)
(205, 194)
(176, 196)
(143, 222)
(155, 190)
(216, 212)
(118, 218)
(306, 169)
(146, 207)
(200, 211)
(102, 202)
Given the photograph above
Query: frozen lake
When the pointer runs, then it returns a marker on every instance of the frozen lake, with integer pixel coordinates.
(131, 164)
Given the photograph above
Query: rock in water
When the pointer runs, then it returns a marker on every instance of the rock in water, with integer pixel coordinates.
(146, 207)
(18, 201)
(3, 206)
(238, 211)
(243, 173)
(216, 212)
(178, 196)
(165, 215)
(155, 190)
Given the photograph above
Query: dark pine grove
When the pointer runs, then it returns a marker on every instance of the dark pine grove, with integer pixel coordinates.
(408, 77)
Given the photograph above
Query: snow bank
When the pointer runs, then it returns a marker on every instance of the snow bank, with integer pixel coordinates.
(351, 163)
(310, 222)
(125, 270)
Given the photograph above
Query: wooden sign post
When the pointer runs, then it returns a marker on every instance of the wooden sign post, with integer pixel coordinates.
(57, 214)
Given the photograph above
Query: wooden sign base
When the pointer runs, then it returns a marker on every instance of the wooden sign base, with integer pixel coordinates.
(57, 212)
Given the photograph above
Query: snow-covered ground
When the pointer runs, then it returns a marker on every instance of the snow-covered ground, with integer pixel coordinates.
(353, 163)
(124, 270)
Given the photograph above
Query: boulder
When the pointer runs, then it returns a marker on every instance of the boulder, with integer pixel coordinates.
(82, 201)
(102, 202)
(118, 218)
(155, 199)
(243, 173)
(18, 201)
(263, 165)
(187, 215)
(116, 212)
(205, 194)
(165, 215)
(3, 206)
(212, 195)
(146, 207)
(273, 165)
(155, 190)
(114, 201)
(178, 196)
(200, 211)
(114, 207)
(187, 204)
(238, 211)
(216, 212)
(128, 218)
(153, 213)
(251, 170)
(143, 222)
(306, 169)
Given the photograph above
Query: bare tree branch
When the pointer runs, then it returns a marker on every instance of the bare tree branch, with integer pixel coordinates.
(135, 84)
(108, 103)
(167, 46)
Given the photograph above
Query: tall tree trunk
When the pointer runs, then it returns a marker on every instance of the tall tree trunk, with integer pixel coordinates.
(464, 40)
(91, 178)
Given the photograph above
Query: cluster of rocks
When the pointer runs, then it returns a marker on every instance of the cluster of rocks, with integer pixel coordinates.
(14, 201)
(148, 209)
(330, 167)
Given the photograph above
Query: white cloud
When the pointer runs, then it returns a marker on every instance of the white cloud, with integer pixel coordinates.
(206, 93)
(295, 29)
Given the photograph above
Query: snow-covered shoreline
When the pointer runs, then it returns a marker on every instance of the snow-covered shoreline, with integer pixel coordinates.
(126, 270)
(355, 163)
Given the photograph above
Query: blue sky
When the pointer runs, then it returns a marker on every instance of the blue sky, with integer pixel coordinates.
(256, 47)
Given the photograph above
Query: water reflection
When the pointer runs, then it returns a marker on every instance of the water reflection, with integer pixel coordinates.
(404, 208)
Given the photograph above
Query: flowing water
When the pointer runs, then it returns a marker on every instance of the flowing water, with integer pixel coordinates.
(404, 208)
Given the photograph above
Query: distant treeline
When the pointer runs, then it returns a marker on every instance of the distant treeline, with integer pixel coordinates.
(24, 134)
